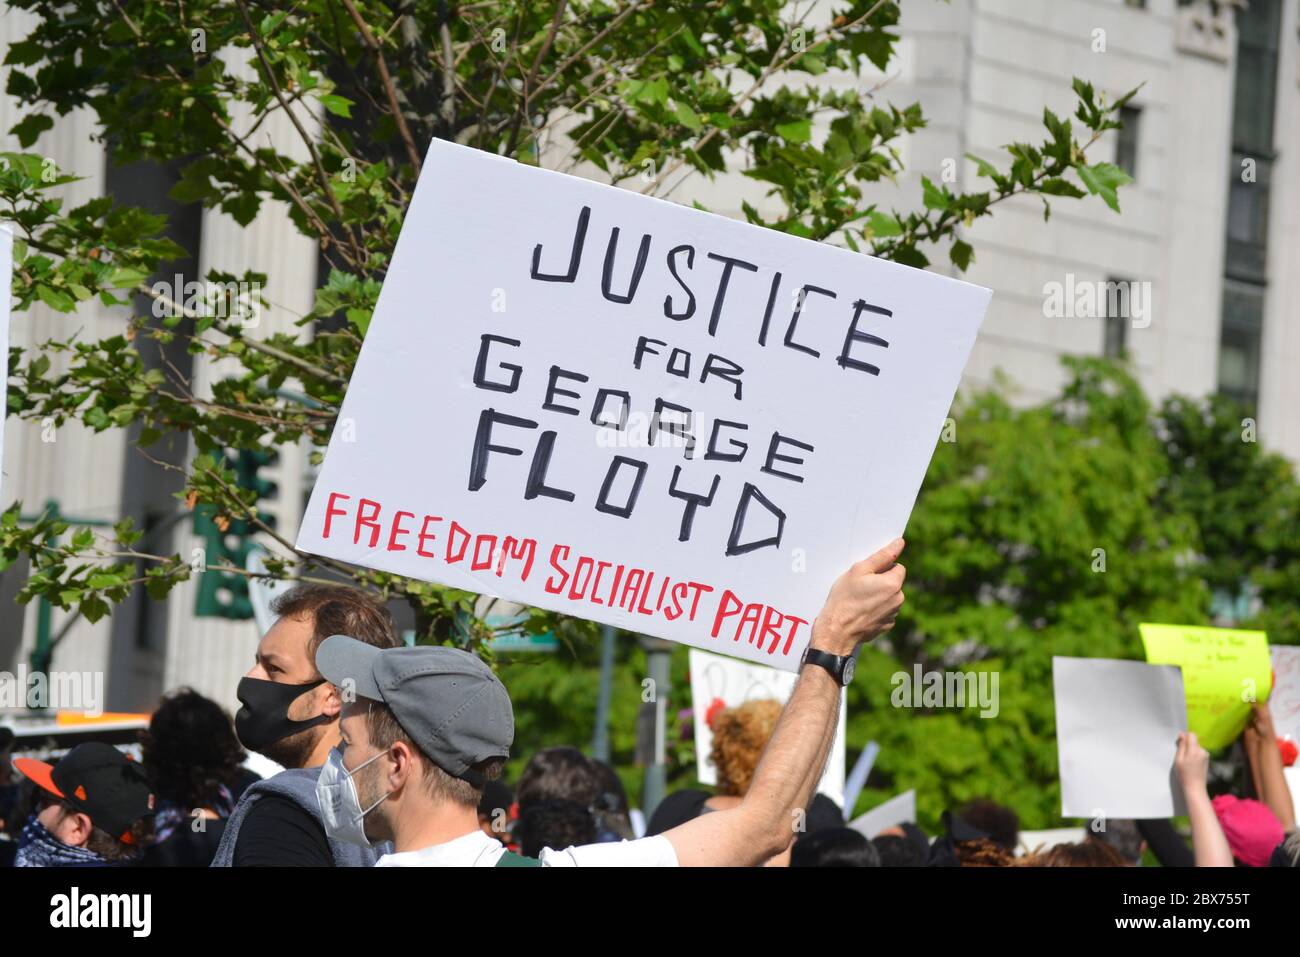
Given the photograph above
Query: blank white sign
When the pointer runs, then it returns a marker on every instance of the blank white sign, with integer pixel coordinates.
(899, 809)
(1117, 727)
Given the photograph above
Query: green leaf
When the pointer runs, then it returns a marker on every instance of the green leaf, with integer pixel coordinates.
(360, 318)
(126, 278)
(1102, 179)
(984, 167)
(338, 105)
(934, 197)
(93, 608)
(97, 419)
(1056, 186)
(56, 300)
(687, 116)
(800, 131)
(961, 254)
(883, 225)
(30, 127)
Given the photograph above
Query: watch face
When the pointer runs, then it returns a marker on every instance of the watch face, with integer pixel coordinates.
(849, 667)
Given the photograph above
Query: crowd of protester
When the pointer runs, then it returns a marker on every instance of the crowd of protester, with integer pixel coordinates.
(392, 756)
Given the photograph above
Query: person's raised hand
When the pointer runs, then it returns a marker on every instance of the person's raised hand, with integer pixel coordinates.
(863, 603)
(1261, 720)
(1192, 763)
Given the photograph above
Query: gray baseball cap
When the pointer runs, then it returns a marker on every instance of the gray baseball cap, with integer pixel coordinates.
(450, 703)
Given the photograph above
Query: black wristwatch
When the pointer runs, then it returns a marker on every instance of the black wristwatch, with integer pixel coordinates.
(841, 667)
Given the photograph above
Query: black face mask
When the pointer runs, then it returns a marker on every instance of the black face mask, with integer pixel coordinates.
(264, 718)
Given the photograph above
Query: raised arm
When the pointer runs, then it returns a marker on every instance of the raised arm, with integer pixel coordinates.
(1266, 766)
(862, 604)
(1209, 845)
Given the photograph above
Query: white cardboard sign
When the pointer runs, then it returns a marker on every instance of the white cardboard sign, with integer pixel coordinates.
(6, 287)
(630, 411)
(1284, 700)
(1117, 727)
(715, 678)
(899, 809)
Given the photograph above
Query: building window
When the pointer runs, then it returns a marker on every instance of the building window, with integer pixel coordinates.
(1248, 192)
(1239, 343)
(1246, 257)
(1126, 149)
(1117, 315)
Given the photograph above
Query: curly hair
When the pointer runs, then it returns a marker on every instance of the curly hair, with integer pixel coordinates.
(1082, 854)
(739, 736)
(190, 749)
(559, 773)
(554, 823)
(983, 852)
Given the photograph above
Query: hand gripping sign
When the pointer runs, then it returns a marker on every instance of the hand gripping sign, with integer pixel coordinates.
(626, 410)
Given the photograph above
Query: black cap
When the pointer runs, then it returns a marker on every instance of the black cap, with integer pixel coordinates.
(100, 782)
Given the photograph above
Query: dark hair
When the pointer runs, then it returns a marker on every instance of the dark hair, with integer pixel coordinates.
(676, 809)
(554, 823)
(384, 731)
(497, 797)
(338, 610)
(558, 774)
(1001, 824)
(1083, 854)
(895, 851)
(1121, 834)
(1287, 854)
(611, 807)
(834, 847)
(107, 846)
(190, 750)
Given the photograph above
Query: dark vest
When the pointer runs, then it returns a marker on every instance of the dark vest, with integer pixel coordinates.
(299, 785)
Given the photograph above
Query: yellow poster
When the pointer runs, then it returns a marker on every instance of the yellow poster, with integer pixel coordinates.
(1224, 671)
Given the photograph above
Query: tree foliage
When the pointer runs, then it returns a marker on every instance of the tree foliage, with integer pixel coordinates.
(643, 94)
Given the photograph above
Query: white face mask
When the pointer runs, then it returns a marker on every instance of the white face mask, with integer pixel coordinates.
(340, 807)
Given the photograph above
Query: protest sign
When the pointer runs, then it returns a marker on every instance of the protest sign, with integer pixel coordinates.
(857, 779)
(900, 809)
(6, 284)
(1284, 701)
(1292, 776)
(1117, 727)
(719, 682)
(1031, 842)
(262, 592)
(1224, 672)
(615, 407)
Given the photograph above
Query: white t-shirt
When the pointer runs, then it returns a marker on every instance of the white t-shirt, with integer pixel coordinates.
(477, 849)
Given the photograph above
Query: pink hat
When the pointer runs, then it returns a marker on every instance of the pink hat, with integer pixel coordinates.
(1252, 830)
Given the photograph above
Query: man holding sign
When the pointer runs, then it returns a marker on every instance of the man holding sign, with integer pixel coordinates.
(424, 728)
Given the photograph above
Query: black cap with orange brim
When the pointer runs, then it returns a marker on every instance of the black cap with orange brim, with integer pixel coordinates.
(99, 781)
